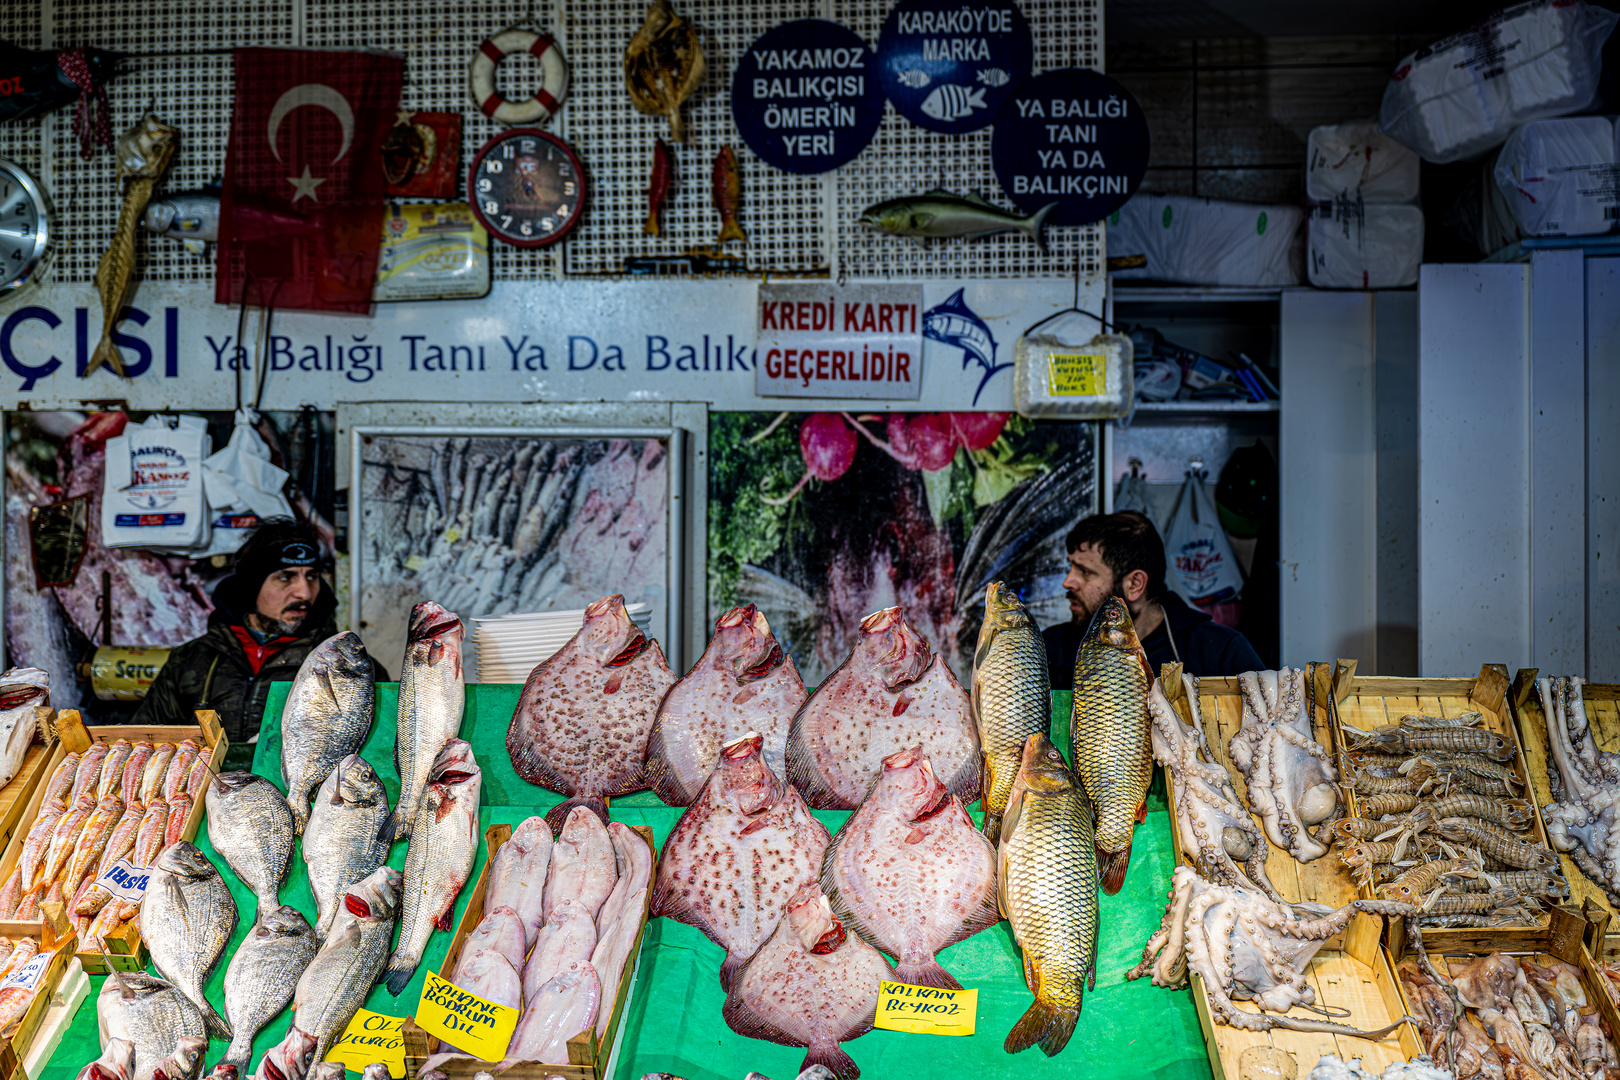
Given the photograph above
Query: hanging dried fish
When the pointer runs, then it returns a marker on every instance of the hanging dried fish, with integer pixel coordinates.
(144, 154)
(663, 65)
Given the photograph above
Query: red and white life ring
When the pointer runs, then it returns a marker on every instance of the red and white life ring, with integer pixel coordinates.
(553, 77)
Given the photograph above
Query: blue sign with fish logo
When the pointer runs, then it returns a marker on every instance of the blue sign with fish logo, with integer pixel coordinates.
(948, 67)
(953, 323)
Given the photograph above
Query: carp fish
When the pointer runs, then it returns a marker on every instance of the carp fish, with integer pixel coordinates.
(1012, 695)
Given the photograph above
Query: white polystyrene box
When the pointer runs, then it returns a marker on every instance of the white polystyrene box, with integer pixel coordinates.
(1195, 241)
(1560, 177)
(1365, 246)
(1356, 160)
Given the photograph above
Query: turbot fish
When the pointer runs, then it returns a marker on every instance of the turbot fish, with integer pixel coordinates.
(260, 978)
(150, 1012)
(251, 825)
(743, 682)
(910, 873)
(940, 214)
(1012, 695)
(1110, 728)
(582, 723)
(336, 982)
(187, 918)
(432, 696)
(327, 717)
(340, 842)
(444, 842)
(1047, 867)
(891, 693)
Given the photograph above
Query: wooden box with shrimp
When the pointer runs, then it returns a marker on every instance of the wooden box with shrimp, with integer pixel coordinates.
(121, 792)
(1440, 816)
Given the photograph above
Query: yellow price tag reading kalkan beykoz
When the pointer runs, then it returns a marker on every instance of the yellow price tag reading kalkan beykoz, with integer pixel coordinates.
(370, 1038)
(466, 1021)
(1076, 374)
(924, 1010)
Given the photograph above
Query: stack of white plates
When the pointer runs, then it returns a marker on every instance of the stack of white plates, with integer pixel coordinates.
(507, 647)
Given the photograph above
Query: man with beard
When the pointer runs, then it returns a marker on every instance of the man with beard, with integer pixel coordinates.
(1121, 555)
(268, 614)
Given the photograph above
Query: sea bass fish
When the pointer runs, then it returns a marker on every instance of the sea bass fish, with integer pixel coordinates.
(444, 843)
(1012, 695)
(582, 723)
(260, 978)
(251, 825)
(187, 918)
(737, 855)
(743, 682)
(327, 717)
(939, 214)
(890, 694)
(910, 873)
(1047, 867)
(432, 696)
(152, 1013)
(1111, 731)
(336, 982)
(517, 877)
(340, 842)
(810, 985)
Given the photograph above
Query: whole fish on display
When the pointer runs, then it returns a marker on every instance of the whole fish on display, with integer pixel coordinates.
(92, 841)
(336, 982)
(60, 785)
(111, 778)
(187, 918)
(1109, 726)
(581, 725)
(1047, 867)
(186, 754)
(117, 1062)
(663, 65)
(37, 845)
(129, 785)
(811, 984)
(558, 1011)
(568, 937)
(584, 867)
(64, 842)
(87, 778)
(179, 812)
(910, 873)
(191, 217)
(620, 919)
(1012, 696)
(291, 1058)
(444, 843)
(182, 1063)
(658, 185)
(432, 696)
(155, 772)
(738, 853)
(150, 1012)
(890, 694)
(260, 978)
(144, 153)
(743, 682)
(940, 214)
(517, 877)
(340, 844)
(499, 931)
(251, 826)
(327, 717)
(726, 187)
(489, 975)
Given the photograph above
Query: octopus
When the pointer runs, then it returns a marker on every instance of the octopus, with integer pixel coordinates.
(1420, 1067)
(1585, 821)
(1291, 780)
(1210, 822)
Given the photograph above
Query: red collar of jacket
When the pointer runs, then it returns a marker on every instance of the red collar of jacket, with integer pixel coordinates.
(257, 654)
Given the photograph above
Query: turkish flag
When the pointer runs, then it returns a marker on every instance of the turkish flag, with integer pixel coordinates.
(304, 194)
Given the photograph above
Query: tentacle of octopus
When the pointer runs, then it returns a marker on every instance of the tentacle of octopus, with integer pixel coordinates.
(1201, 960)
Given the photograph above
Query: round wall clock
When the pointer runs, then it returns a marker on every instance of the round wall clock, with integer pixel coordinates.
(26, 233)
(527, 187)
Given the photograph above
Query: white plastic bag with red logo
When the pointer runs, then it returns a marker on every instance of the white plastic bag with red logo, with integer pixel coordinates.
(1198, 558)
(153, 494)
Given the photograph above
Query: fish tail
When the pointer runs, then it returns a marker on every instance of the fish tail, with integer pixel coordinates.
(399, 971)
(992, 826)
(1112, 865)
(239, 1053)
(926, 973)
(300, 811)
(1036, 222)
(557, 815)
(730, 230)
(1048, 1025)
(394, 827)
(216, 1025)
(831, 1056)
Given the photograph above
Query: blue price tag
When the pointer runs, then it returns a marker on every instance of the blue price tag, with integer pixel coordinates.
(948, 67)
(806, 96)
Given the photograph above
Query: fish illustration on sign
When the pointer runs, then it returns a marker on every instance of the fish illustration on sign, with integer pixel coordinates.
(953, 323)
(914, 78)
(951, 102)
(993, 77)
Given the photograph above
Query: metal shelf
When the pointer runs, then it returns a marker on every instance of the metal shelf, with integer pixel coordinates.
(1181, 294)
(1210, 407)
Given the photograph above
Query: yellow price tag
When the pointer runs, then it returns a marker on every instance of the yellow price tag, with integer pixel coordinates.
(466, 1021)
(369, 1038)
(1076, 374)
(922, 1010)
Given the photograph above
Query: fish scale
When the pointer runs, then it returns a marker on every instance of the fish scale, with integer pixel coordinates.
(1012, 696)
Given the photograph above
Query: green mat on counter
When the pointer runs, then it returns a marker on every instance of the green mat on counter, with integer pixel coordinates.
(673, 1021)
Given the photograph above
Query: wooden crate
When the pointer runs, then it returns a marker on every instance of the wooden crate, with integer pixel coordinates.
(125, 951)
(1368, 702)
(1369, 992)
(587, 1055)
(15, 795)
(1323, 881)
(55, 933)
(1602, 702)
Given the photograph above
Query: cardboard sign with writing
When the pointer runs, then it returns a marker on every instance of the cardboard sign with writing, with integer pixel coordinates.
(923, 1010)
(369, 1038)
(466, 1021)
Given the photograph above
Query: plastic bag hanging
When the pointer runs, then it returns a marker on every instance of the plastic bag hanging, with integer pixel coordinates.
(243, 488)
(153, 495)
(1198, 558)
(1063, 369)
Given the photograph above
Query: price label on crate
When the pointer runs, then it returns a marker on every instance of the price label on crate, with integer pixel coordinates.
(466, 1021)
(1076, 374)
(923, 1010)
(371, 1037)
(125, 880)
(28, 975)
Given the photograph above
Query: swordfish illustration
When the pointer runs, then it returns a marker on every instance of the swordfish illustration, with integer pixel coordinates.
(954, 323)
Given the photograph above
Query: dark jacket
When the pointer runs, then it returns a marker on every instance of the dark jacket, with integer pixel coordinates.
(1205, 647)
(212, 671)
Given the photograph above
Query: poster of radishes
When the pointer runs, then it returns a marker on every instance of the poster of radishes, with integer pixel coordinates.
(821, 518)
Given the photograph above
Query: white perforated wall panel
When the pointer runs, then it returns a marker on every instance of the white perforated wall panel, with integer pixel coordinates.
(796, 225)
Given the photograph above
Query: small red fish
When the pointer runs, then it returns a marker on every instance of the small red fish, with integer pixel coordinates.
(658, 185)
(179, 811)
(727, 184)
(61, 782)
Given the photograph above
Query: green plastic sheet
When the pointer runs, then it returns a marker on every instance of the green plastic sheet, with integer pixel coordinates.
(672, 1022)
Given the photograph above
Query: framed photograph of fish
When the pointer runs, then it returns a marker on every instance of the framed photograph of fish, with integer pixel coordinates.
(947, 67)
(422, 155)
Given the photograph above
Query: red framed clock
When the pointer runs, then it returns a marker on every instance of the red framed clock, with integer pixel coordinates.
(527, 187)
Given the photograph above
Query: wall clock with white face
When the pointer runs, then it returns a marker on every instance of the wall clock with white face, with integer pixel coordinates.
(27, 233)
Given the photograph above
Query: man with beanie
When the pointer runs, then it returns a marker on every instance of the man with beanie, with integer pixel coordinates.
(267, 617)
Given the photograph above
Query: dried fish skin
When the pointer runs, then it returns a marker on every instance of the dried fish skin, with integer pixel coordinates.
(663, 66)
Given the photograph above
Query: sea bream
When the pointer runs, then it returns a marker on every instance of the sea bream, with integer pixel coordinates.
(891, 693)
(582, 723)
(432, 697)
(743, 682)
(251, 826)
(1012, 695)
(340, 844)
(910, 873)
(187, 918)
(328, 716)
(737, 855)
(261, 977)
(336, 982)
(152, 1013)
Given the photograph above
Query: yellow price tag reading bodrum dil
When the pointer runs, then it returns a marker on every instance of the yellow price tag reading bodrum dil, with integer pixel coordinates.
(466, 1021)
(924, 1010)
(370, 1038)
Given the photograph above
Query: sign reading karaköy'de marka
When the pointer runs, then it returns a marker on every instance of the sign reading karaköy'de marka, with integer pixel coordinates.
(826, 341)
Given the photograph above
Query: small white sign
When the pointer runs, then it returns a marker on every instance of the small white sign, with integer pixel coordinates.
(826, 341)
(125, 880)
(27, 977)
